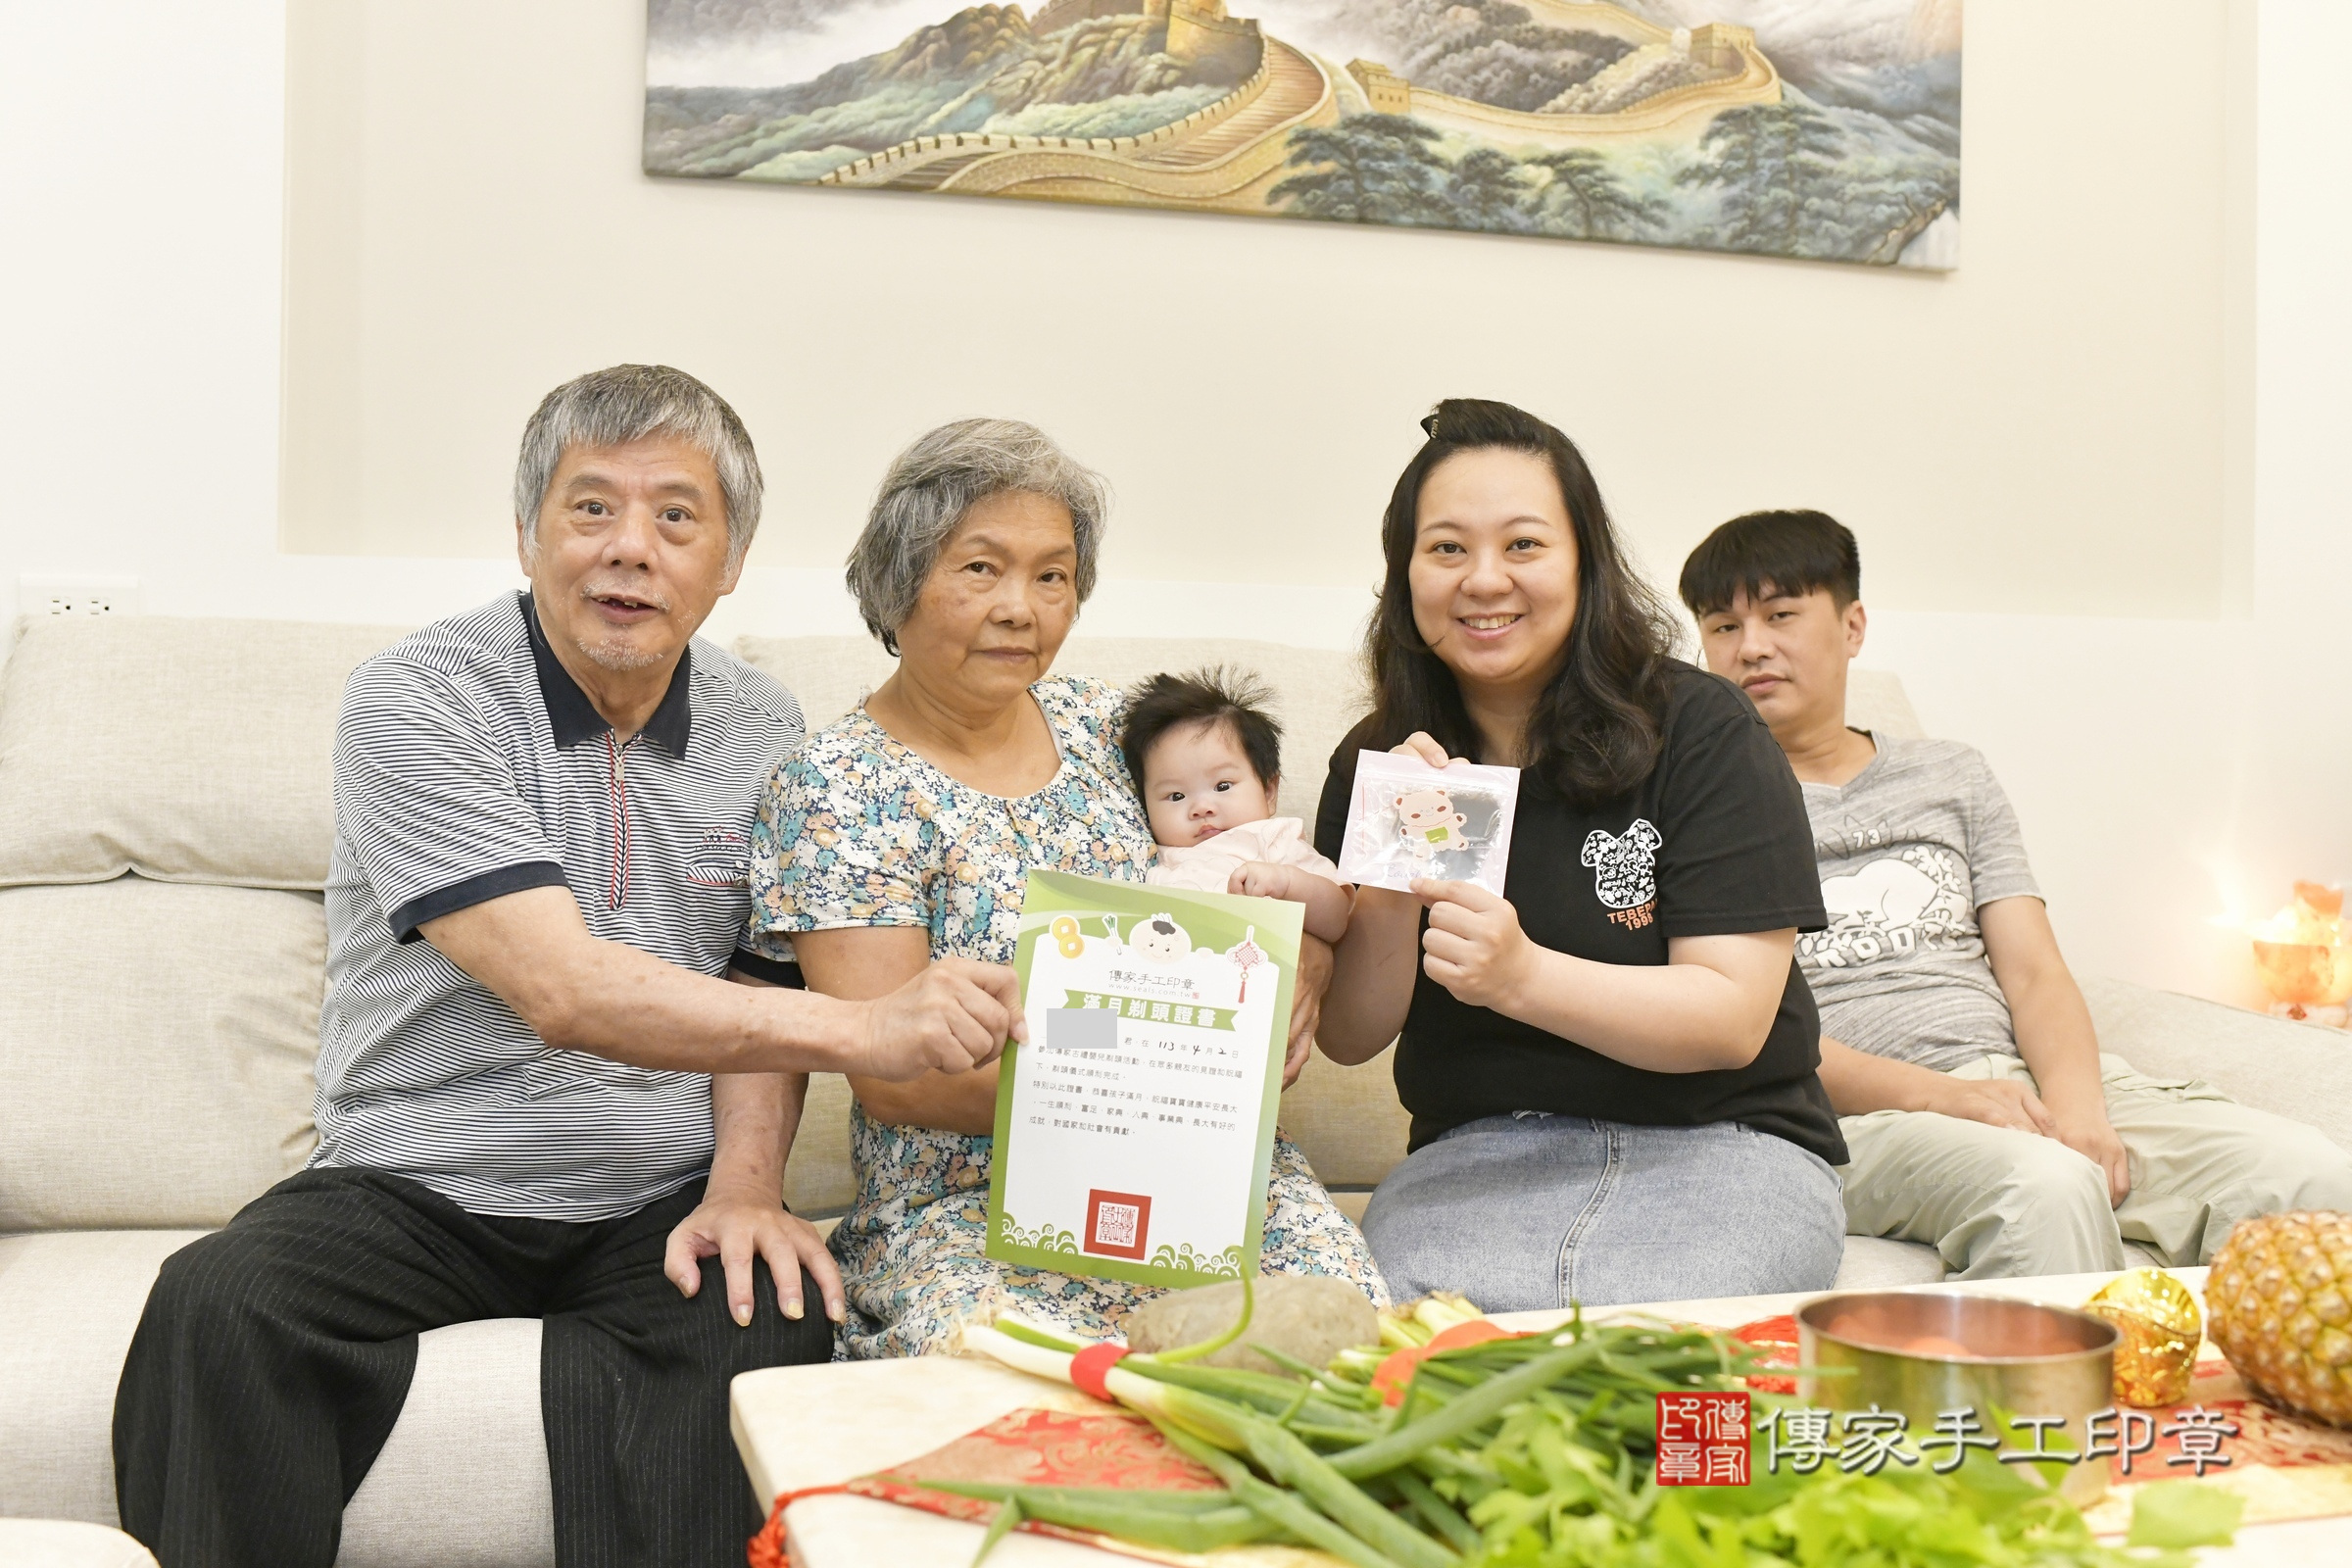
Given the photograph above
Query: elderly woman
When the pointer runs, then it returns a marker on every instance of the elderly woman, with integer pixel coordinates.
(902, 835)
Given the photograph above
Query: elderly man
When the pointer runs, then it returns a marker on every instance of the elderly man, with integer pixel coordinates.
(537, 1093)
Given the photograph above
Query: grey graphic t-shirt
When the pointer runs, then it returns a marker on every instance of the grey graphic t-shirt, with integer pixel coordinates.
(1910, 849)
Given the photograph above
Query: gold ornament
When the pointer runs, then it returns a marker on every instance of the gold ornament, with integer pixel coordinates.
(2161, 1328)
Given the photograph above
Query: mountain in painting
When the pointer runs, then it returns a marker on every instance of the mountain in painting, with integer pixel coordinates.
(1816, 129)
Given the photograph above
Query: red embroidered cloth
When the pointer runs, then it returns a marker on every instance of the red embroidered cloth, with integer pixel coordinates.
(1031, 1449)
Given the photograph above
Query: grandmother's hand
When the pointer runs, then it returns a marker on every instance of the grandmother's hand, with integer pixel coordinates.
(1307, 1004)
(952, 1017)
(1474, 947)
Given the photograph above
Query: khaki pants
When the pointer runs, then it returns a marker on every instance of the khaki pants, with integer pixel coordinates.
(1997, 1203)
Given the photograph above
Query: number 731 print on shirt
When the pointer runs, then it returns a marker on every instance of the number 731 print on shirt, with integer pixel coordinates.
(1135, 1128)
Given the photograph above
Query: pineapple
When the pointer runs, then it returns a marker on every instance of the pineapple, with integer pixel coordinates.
(2278, 1303)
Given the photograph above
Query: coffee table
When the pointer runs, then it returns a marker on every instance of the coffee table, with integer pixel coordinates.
(813, 1426)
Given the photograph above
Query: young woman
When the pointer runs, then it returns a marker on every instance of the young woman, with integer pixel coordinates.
(1611, 1070)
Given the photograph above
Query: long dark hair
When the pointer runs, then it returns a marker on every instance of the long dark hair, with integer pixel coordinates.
(1595, 731)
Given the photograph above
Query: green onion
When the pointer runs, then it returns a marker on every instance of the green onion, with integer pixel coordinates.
(1296, 1466)
(1013, 1328)
(1279, 1506)
(1260, 1391)
(1464, 1415)
(997, 1528)
(1168, 1501)
(1434, 1509)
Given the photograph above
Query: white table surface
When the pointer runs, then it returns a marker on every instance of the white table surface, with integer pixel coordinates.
(815, 1426)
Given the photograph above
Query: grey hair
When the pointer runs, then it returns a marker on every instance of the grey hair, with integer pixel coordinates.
(627, 403)
(933, 483)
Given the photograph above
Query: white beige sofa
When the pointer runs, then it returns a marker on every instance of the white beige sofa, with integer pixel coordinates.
(164, 830)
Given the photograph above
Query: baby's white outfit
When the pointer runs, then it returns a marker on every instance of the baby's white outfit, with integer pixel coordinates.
(1208, 866)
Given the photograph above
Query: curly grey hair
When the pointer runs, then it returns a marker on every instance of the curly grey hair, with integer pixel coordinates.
(635, 402)
(933, 483)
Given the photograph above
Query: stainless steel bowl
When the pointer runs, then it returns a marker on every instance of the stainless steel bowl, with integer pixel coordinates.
(2023, 1360)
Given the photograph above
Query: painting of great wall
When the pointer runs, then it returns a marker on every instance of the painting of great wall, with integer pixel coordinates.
(1823, 129)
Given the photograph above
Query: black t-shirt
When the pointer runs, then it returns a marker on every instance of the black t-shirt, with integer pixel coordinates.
(1713, 843)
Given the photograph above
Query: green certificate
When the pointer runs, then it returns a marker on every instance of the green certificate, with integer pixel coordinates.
(1135, 1129)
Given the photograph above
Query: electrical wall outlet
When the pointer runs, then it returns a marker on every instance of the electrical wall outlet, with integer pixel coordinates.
(78, 596)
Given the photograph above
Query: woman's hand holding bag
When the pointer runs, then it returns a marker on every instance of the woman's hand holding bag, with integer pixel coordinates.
(1474, 947)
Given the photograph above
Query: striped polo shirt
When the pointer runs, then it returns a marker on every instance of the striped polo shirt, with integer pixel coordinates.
(468, 765)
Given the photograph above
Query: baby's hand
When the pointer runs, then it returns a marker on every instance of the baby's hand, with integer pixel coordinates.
(1262, 879)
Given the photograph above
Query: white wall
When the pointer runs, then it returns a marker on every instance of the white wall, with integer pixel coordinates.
(2032, 433)
(2167, 769)
(141, 197)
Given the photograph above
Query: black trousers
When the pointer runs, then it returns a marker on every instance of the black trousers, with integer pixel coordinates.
(275, 1355)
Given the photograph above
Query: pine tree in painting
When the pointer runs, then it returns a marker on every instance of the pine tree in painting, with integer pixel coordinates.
(1586, 200)
(1371, 169)
(1773, 161)
(1489, 189)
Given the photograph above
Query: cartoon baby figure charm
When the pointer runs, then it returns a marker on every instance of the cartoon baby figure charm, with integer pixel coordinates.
(1429, 824)
(1407, 818)
(1161, 940)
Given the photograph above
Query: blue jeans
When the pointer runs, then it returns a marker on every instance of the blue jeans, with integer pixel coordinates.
(1540, 1210)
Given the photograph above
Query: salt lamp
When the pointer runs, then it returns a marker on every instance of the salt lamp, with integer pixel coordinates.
(2304, 954)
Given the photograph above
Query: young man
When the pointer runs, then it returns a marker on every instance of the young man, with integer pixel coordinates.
(1979, 1114)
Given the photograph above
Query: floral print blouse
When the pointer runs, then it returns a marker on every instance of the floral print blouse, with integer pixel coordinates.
(858, 830)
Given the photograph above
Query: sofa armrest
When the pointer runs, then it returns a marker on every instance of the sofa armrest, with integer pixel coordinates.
(2298, 1070)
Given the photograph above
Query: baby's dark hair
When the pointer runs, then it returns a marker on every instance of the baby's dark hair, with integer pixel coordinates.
(1211, 695)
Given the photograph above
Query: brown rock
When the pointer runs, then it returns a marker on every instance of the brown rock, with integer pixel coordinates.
(1310, 1316)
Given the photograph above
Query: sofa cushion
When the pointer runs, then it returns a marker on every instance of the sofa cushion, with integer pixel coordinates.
(2292, 1070)
(1875, 702)
(69, 1302)
(156, 1042)
(462, 1483)
(1881, 1262)
(1346, 1121)
(827, 675)
(817, 1183)
(462, 1479)
(187, 751)
(66, 1544)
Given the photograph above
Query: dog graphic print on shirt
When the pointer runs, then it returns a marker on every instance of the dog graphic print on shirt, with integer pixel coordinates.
(1625, 872)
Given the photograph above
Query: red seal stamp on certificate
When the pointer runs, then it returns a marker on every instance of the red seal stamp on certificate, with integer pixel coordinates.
(1117, 1224)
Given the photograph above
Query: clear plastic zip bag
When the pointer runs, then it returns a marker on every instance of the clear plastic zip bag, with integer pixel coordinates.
(1407, 819)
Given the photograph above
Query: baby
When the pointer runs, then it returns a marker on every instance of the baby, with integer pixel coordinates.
(1208, 761)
